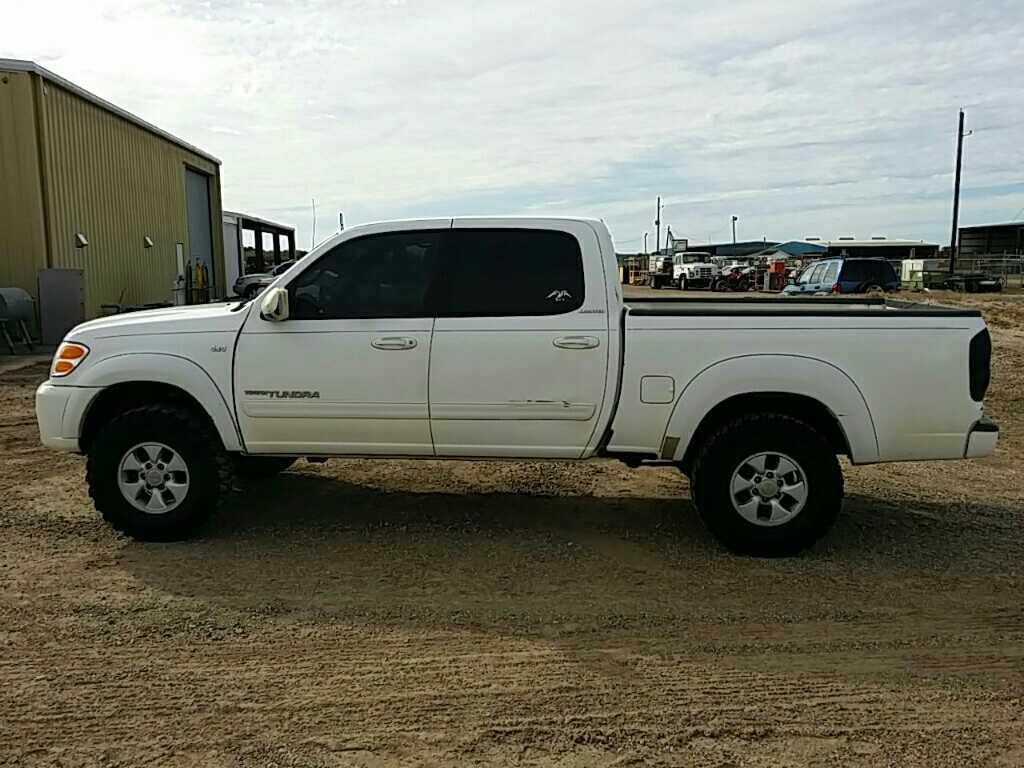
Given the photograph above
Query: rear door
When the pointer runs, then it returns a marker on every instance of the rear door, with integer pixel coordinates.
(519, 356)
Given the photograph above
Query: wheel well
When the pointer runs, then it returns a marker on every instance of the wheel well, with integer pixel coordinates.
(118, 398)
(806, 409)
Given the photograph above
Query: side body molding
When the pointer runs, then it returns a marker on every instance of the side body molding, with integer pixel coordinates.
(785, 374)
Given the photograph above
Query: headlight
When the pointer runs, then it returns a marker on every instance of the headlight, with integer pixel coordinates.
(69, 355)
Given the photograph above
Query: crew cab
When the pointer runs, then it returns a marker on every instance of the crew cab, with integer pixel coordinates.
(509, 338)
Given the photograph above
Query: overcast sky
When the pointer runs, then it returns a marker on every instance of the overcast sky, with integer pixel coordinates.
(823, 118)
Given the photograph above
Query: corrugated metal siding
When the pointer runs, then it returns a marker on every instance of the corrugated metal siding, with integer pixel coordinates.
(116, 183)
(22, 233)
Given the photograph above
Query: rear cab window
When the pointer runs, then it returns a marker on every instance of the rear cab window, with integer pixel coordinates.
(511, 272)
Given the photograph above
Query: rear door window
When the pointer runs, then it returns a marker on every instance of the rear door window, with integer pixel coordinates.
(511, 272)
(831, 273)
(817, 274)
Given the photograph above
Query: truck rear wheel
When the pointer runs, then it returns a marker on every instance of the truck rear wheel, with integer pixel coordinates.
(767, 485)
(158, 472)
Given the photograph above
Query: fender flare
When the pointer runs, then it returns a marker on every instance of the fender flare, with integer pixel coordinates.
(775, 374)
(166, 368)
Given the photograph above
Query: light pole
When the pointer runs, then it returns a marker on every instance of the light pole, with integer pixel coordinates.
(645, 243)
(657, 224)
(734, 220)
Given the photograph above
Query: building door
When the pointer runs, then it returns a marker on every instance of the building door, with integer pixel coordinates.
(61, 303)
(200, 235)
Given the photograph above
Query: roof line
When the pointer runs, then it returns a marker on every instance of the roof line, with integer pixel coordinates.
(257, 219)
(22, 65)
(996, 225)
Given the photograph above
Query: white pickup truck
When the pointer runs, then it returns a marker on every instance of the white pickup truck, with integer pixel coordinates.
(509, 338)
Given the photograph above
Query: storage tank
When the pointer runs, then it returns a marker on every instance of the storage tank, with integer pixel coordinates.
(16, 304)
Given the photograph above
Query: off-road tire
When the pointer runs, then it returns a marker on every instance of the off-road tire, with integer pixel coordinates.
(255, 468)
(744, 436)
(181, 428)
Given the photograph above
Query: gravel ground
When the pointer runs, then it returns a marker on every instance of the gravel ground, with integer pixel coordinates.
(494, 613)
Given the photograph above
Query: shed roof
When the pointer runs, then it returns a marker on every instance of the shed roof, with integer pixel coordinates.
(21, 65)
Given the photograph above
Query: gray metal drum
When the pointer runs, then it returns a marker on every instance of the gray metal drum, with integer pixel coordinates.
(16, 304)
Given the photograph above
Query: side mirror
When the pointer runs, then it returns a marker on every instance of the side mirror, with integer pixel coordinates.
(274, 305)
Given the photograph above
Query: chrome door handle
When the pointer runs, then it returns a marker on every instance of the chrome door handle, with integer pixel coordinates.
(577, 342)
(393, 342)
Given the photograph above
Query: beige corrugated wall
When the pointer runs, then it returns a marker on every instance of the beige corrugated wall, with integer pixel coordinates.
(22, 233)
(109, 179)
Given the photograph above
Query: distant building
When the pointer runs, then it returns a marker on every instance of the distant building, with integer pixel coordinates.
(745, 248)
(97, 206)
(879, 247)
(993, 238)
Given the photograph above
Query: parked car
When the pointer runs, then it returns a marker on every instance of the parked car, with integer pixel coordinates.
(249, 286)
(845, 276)
(509, 338)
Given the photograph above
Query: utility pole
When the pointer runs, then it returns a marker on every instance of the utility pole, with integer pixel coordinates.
(734, 220)
(312, 237)
(953, 244)
(657, 224)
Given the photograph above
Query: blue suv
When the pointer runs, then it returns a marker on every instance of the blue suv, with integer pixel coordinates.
(845, 276)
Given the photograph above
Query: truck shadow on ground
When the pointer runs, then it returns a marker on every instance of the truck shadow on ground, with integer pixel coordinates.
(307, 545)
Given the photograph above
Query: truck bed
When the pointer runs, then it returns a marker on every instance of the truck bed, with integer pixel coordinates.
(763, 306)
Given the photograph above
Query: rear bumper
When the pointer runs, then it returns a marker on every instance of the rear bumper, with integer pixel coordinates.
(982, 439)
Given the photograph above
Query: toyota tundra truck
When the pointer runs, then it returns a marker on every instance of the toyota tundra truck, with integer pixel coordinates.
(510, 339)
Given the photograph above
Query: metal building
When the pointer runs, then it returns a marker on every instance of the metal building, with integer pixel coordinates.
(993, 239)
(92, 194)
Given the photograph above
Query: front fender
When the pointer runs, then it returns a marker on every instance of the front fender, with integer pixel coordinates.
(163, 368)
(785, 374)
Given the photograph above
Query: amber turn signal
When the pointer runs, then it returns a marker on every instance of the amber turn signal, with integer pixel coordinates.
(68, 356)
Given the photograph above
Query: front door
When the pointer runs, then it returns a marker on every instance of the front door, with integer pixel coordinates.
(346, 373)
(200, 236)
(520, 350)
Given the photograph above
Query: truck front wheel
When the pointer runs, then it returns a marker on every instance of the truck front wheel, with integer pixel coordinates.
(767, 485)
(157, 472)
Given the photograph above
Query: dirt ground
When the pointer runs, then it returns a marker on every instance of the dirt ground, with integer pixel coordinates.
(424, 613)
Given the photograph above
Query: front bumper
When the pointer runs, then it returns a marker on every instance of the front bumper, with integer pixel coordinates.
(59, 413)
(982, 439)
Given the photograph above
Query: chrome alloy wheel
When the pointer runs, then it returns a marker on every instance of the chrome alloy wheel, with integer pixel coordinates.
(153, 478)
(768, 489)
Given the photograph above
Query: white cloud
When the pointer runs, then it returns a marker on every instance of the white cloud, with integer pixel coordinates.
(830, 117)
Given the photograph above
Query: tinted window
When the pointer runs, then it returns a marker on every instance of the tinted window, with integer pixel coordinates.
(376, 276)
(832, 272)
(817, 274)
(885, 272)
(504, 272)
(854, 271)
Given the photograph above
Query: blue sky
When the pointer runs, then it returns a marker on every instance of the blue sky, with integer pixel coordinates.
(826, 118)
